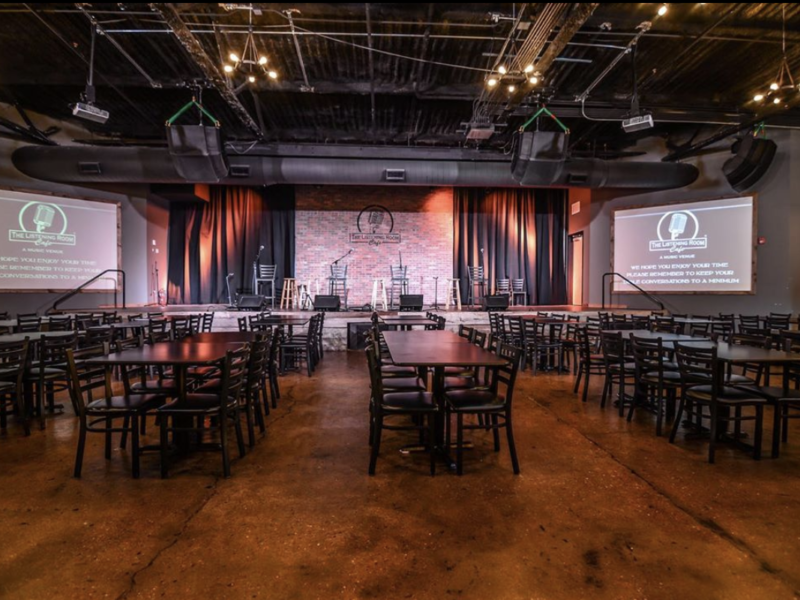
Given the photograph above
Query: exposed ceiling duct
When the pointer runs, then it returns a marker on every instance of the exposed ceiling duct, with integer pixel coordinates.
(154, 165)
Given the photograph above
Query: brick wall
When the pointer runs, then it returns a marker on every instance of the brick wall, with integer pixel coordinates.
(327, 215)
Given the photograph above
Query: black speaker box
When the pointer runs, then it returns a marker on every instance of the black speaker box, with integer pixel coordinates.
(251, 302)
(539, 157)
(197, 153)
(495, 302)
(327, 303)
(411, 302)
(751, 161)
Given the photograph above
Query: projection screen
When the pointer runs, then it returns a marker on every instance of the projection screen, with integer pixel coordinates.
(54, 244)
(692, 247)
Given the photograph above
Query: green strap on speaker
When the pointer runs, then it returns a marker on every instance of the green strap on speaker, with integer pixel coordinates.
(189, 105)
(544, 110)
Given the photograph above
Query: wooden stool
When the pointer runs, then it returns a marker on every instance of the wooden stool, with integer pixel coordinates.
(379, 293)
(289, 293)
(453, 293)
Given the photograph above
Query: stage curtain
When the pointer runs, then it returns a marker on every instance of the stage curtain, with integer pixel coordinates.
(208, 240)
(523, 233)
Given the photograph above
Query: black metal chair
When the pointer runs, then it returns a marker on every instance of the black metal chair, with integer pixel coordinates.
(385, 404)
(542, 344)
(619, 368)
(493, 404)
(48, 371)
(13, 364)
(28, 323)
(207, 322)
(654, 379)
(702, 387)
(590, 362)
(214, 411)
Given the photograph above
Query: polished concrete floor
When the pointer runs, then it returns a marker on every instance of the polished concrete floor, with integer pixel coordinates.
(602, 509)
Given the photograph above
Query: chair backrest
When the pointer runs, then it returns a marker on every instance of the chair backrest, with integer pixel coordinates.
(376, 384)
(605, 319)
(698, 364)
(110, 317)
(753, 340)
(233, 370)
(648, 355)
(135, 317)
(506, 376)
(475, 274)
(267, 272)
(257, 364)
(14, 360)
(749, 322)
(518, 285)
(612, 346)
(181, 327)
(84, 379)
(60, 323)
(242, 321)
(95, 336)
(494, 327)
(195, 322)
(441, 322)
(53, 350)
(617, 319)
(778, 321)
(338, 271)
(466, 332)
(157, 326)
(129, 372)
(479, 338)
(503, 286)
(27, 323)
(640, 321)
(399, 273)
(513, 328)
(207, 322)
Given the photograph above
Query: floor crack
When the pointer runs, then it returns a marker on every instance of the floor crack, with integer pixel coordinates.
(705, 523)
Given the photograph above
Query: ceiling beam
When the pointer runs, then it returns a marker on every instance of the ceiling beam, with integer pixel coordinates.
(207, 65)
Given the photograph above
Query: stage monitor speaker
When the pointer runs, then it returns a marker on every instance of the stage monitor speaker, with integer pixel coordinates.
(539, 157)
(411, 302)
(251, 302)
(327, 303)
(197, 153)
(753, 156)
(495, 302)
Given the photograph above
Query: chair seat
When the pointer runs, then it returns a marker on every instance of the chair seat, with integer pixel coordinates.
(459, 383)
(726, 395)
(398, 402)
(404, 384)
(736, 379)
(474, 401)
(7, 386)
(773, 393)
(125, 403)
(395, 371)
(671, 378)
(150, 386)
(629, 367)
(193, 403)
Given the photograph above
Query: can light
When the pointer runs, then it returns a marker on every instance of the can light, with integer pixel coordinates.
(758, 97)
(234, 57)
(502, 70)
(662, 10)
(529, 69)
(227, 69)
(251, 79)
(512, 88)
(491, 82)
(262, 60)
(273, 74)
(534, 80)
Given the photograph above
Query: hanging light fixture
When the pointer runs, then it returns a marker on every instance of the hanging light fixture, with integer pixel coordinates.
(249, 62)
(784, 82)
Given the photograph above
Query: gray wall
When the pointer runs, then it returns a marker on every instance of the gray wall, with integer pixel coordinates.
(778, 266)
(133, 202)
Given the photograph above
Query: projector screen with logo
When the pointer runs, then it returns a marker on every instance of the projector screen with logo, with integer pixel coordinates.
(693, 247)
(48, 243)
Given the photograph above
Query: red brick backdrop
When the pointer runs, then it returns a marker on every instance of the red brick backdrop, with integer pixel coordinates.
(327, 215)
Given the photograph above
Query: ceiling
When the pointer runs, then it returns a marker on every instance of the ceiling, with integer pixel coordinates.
(698, 65)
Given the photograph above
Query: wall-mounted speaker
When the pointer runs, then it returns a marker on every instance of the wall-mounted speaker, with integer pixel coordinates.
(327, 303)
(539, 157)
(495, 302)
(752, 157)
(411, 302)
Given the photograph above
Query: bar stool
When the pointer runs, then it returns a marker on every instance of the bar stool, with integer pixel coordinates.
(453, 293)
(266, 276)
(476, 279)
(503, 287)
(379, 293)
(337, 282)
(518, 289)
(289, 293)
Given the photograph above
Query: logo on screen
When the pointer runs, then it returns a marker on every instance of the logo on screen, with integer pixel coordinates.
(678, 231)
(375, 226)
(42, 224)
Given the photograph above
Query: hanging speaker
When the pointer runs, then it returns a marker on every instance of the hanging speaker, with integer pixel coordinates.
(753, 156)
(539, 157)
(197, 152)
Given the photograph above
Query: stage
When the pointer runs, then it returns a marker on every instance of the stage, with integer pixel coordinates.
(341, 324)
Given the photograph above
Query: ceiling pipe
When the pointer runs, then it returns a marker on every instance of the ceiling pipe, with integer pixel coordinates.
(82, 165)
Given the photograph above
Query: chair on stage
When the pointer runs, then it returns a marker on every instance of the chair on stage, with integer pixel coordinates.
(518, 289)
(266, 276)
(337, 283)
(476, 280)
(502, 287)
(398, 281)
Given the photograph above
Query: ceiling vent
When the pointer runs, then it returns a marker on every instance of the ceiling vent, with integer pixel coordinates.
(240, 171)
(89, 168)
(395, 174)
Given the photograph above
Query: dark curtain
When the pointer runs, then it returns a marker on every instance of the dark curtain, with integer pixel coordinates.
(523, 234)
(208, 240)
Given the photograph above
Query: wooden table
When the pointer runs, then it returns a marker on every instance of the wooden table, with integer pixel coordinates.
(34, 336)
(437, 350)
(666, 338)
(406, 323)
(222, 337)
(289, 321)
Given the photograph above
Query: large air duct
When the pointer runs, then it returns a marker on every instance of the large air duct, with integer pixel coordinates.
(86, 164)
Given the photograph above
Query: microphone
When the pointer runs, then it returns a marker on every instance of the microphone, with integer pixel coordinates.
(44, 217)
(481, 250)
(677, 224)
(230, 275)
(262, 247)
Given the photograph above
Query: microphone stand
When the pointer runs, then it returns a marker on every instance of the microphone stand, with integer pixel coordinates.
(336, 262)
(228, 285)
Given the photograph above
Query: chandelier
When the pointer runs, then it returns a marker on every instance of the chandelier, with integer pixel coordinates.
(783, 85)
(249, 63)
